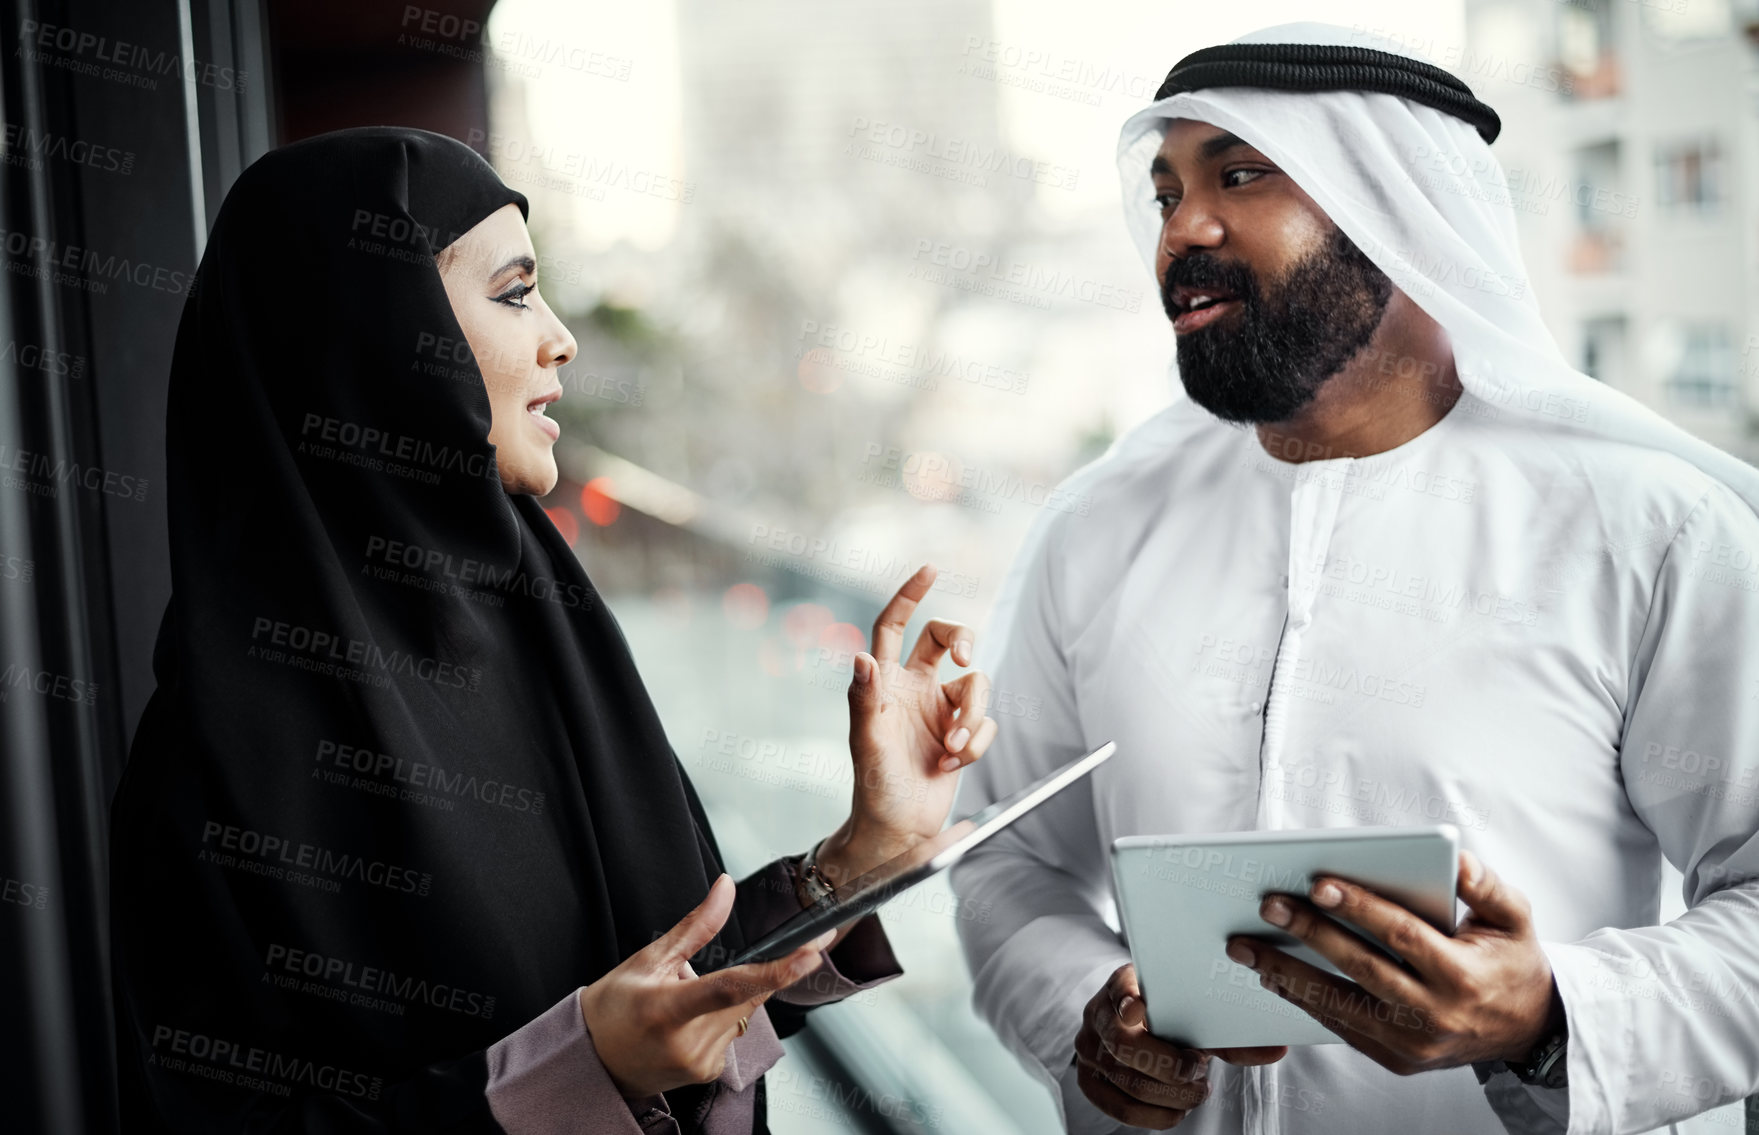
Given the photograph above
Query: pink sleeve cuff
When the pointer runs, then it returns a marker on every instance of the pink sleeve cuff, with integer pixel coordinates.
(545, 1079)
(862, 960)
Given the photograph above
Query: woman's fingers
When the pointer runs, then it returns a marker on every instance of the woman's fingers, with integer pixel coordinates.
(749, 984)
(724, 1025)
(969, 694)
(937, 638)
(980, 744)
(866, 699)
(888, 629)
(694, 931)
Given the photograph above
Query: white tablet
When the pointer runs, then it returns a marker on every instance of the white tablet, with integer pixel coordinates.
(1182, 896)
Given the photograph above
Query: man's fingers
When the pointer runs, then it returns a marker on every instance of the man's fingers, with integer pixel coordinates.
(1124, 1036)
(1250, 1057)
(1415, 941)
(1362, 1042)
(888, 628)
(695, 930)
(1377, 1052)
(1492, 901)
(1123, 983)
(1113, 1100)
(1337, 1003)
(1332, 1001)
(1357, 959)
(1104, 1005)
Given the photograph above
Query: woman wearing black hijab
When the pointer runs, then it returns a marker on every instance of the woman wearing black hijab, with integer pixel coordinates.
(401, 845)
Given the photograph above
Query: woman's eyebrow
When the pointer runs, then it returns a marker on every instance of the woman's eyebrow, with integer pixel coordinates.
(523, 263)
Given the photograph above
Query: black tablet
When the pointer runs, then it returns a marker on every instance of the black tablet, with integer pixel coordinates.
(864, 894)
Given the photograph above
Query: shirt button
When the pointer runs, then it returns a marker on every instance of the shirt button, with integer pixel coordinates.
(1254, 708)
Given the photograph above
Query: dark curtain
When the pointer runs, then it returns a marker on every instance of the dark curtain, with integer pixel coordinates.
(124, 120)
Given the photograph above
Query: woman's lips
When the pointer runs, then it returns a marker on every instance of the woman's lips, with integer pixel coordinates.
(535, 409)
(549, 426)
(1202, 317)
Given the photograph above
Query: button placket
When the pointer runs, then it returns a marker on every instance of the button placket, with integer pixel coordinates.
(1313, 514)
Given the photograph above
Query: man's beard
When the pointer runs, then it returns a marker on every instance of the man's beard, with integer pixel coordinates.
(1266, 361)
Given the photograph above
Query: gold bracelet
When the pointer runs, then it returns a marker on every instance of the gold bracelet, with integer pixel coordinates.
(818, 888)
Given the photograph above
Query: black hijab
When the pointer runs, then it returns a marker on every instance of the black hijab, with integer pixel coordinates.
(400, 788)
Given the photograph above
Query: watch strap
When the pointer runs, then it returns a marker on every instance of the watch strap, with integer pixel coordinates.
(1548, 1066)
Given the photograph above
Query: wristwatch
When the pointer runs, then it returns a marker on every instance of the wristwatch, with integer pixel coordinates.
(1548, 1065)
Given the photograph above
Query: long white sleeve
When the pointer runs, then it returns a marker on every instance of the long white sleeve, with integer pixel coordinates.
(1044, 947)
(1551, 642)
(1664, 1020)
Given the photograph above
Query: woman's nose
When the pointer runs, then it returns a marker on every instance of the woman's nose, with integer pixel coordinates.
(559, 346)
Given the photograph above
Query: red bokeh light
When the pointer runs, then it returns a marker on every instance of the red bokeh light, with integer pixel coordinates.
(842, 638)
(565, 524)
(745, 605)
(598, 502)
(804, 622)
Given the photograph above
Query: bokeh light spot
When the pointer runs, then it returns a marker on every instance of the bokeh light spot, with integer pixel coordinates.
(804, 621)
(565, 524)
(745, 605)
(842, 639)
(598, 502)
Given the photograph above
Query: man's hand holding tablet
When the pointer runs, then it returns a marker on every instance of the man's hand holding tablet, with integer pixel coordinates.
(1134, 1076)
(1438, 1000)
(1484, 994)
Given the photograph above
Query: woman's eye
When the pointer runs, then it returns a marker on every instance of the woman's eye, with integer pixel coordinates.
(514, 296)
(1227, 177)
(1166, 201)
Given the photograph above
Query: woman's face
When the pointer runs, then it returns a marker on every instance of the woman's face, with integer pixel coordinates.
(490, 275)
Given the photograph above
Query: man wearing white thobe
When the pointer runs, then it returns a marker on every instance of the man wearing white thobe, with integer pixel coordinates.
(1444, 579)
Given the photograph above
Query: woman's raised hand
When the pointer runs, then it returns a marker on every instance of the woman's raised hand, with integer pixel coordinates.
(656, 1025)
(909, 735)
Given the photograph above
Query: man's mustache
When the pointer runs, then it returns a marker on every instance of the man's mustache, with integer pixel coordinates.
(1206, 271)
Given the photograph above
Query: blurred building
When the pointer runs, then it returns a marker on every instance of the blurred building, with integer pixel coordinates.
(867, 325)
(1631, 132)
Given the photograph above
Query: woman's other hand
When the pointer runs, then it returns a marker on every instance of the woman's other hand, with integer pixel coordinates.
(909, 735)
(656, 1025)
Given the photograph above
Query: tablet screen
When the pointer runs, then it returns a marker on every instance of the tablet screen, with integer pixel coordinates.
(1180, 897)
(865, 893)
